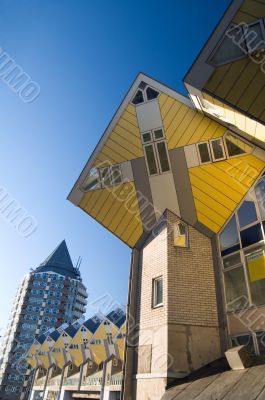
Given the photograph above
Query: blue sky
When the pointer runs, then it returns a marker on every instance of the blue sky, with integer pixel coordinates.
(84, 54)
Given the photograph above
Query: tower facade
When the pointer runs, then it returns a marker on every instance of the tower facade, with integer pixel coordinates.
(48, 296)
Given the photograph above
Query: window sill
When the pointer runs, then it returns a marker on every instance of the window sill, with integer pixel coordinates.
(158, 306)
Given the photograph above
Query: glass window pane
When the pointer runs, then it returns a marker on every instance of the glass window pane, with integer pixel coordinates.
(162, 154)
(116, 175)
(230, 250)
(251, 235)
(247, 213)
(256, 271)
(146, 137)
(254, 37)
(92, 180)
(235, 146)
(151, 161)
(158, 134)
(180, 235)
(235, 289)
(158, 291)
(217, 147)
(151, 93)
(138, 98)
(105, 174)
(261, 342)
(228, 50)
(204, 152)
(245, 340)
(260, 194)
(232, 260)
(229, 236)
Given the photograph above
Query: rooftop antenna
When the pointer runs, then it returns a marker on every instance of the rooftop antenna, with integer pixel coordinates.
(78, 264)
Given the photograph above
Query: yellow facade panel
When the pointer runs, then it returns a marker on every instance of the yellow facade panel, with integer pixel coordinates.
(116, 208)
(115, 152)
(254, 8)
(184, 125)
(219, 187)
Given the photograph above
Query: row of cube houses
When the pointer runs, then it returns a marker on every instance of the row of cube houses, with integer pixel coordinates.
(94, 340)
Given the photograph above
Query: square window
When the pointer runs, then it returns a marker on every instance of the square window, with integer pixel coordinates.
(158, 134)
(146, 137)
(158, 292)
(204, 152)
(181, 235)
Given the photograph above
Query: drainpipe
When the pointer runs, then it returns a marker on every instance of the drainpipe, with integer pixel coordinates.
(132, 277)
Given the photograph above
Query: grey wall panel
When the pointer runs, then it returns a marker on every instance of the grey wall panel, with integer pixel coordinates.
(144, 195)
(183, 186)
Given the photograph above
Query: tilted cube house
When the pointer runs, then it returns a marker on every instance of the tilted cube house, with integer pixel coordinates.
(181, 181)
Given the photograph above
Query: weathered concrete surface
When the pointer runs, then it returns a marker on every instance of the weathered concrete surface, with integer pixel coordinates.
(218, 382)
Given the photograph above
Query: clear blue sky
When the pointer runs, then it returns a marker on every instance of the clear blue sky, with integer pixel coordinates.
(84, 54)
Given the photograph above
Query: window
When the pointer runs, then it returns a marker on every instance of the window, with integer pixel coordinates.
(156, 154)
(144, 93)
(254, 36)
(235, 289)
(260, 195)
(217, 148)
(229, 49)
(181, 235)
(255, 262)
(236, 146)
(246, 340)
(158, 292)
(103, 177)
(204, 152)
(251, 235)
(247, 213)
(229, 236)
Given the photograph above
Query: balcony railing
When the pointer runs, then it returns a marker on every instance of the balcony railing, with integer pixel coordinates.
(93, 381)
(116, 380)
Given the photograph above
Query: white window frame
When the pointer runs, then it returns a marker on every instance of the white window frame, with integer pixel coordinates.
(153, 142)
(154, 292)
(199, 154)
(110, 172)
(223, 148)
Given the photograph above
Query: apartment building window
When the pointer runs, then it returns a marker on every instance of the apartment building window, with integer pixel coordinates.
(156, 153)
(204, 152)
(181, 235)
(102, 177)
(221, 148)
(217, 148)
(144, 93)
(158, 292)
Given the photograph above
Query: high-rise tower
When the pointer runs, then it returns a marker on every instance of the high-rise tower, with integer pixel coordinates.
(48, 296)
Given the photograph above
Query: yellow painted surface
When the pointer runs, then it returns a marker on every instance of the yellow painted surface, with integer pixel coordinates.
(117, 209)
(241, 84)
(251, 127)
(124, 142)
(219, 187)
(256, 266)
(250, 10)
(184, 126)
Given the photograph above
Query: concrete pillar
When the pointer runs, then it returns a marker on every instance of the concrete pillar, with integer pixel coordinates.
(128, 370)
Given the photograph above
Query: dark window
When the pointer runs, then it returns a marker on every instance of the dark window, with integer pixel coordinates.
(204, 153)
(151, 160)
(251, 235)
(217, 149)
(151, 93)
(235, 146)
(162, 154)
(142, 85)
(138, 98)
(245, 340)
